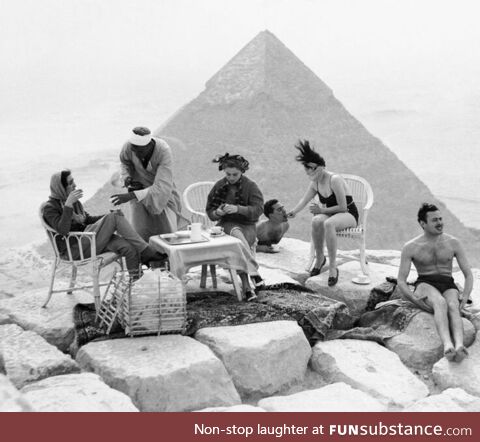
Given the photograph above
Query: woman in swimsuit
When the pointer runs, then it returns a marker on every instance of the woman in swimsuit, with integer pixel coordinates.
(337, 212)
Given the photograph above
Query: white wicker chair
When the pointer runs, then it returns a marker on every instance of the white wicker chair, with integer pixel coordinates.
(362, 194)
(195, 200)
(94, 263)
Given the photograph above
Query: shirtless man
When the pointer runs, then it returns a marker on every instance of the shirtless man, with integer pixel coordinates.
(435, 291)
(271, 231)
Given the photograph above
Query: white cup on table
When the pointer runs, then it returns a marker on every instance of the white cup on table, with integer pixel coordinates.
(196, 231)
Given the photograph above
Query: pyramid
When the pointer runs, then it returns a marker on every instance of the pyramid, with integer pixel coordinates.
(258, 105)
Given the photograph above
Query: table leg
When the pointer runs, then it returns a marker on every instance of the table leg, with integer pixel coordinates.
(236, 285)
(213, 274)
(203, 278)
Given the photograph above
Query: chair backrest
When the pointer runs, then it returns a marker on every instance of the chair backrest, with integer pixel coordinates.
(52, 235)
(362, 194)
(195, 200)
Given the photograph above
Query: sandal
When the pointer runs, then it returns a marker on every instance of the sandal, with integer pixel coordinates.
(316, 270)
(332, 280)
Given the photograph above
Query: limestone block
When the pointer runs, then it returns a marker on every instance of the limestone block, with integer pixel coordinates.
(76, 393)
(355, 296)
(27, 357)
(161, 373)
(337, 397)
(11, 399)
(293, 256)
(450, 400)
(390, 257)
(369, 367)
(261, 358)
(463, 374)
(5, 319)
(244, 408)
(54, 323)
(420, 346)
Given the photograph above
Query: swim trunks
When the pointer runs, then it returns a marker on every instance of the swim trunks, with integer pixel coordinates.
(441, 282)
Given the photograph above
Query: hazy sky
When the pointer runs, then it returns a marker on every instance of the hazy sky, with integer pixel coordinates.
(70, 54)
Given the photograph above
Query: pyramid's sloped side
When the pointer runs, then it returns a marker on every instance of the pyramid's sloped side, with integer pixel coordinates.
(265, 132)
(259, 104)
(265, 65)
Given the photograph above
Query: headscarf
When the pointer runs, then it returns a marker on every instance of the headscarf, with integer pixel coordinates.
(228, 160)
(58, 192)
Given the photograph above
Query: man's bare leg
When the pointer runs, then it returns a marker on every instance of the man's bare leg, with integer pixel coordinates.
(440, 315)
(456, 324)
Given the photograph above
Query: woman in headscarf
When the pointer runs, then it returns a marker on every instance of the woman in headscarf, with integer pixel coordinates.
(236, 203)
(64, 213)
(336, 212)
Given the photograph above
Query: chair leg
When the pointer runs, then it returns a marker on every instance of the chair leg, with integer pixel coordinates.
(363, 259)
(52, 279)
(236, 285)
(213, 274)
(96, 286)
(73, 278)
(203, 278)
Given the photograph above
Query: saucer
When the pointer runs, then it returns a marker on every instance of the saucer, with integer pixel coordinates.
(215, 235)
(361, 280)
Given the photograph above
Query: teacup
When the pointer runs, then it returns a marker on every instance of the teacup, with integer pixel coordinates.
(196, 231)
(216, 230)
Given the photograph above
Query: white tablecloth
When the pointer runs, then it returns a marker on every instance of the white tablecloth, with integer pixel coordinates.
(225, 251)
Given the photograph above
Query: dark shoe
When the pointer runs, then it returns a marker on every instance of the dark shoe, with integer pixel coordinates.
(250, 295)
(316, 270)
(258, 281)
(159, 260)
(332, 280)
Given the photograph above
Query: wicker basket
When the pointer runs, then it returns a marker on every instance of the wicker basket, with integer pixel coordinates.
(156, 303)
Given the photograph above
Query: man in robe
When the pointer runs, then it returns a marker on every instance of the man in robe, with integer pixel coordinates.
(147, 174)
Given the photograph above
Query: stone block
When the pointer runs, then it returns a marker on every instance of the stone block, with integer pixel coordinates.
(337, 397)
(449, 401)
(27, 357)
(420, 346)
(54, 323)
(463, 374)
(11, 400)
(161, 373)
(76, 393)
(262, 358)
(369, 367)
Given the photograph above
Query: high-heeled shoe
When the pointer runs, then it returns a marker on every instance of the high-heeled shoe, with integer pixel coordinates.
(316, 270)
(332, 280)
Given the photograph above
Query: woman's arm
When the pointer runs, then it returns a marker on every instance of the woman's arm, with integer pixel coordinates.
(309, 194)
(254, 207)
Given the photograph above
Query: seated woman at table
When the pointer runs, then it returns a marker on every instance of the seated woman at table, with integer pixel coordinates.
(236, 203)
(337, 212)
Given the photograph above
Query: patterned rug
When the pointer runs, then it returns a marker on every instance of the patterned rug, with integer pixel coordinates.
(321, 318)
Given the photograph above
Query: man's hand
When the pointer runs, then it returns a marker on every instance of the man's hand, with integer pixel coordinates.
(463, 301)
(73, 197)
(121, 198)
(230, 208)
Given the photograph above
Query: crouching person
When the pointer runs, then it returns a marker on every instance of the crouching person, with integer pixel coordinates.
(65, 213)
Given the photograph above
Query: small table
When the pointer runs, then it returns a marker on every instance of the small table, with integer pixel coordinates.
(226, 251)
